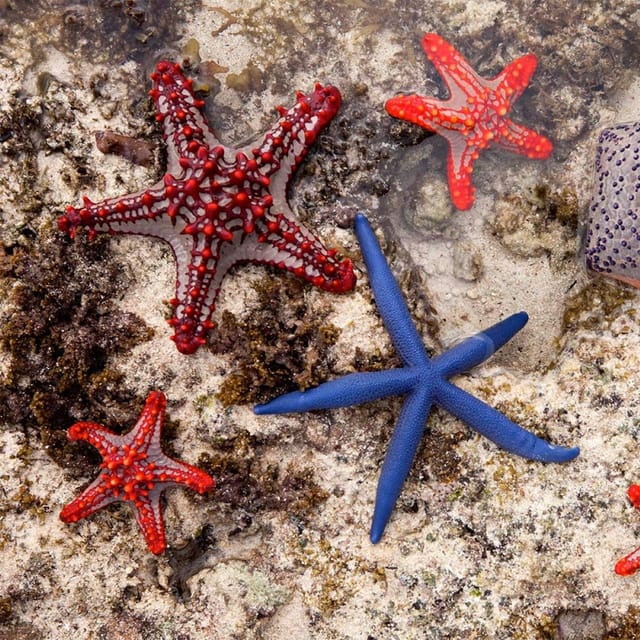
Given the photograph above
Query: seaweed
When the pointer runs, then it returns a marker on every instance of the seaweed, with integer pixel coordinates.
(59, 333)
(283, 344)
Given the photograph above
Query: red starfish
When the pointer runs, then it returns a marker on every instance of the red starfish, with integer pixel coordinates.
(217, 206)
(475, 115)
(135, 470)
(630, 563)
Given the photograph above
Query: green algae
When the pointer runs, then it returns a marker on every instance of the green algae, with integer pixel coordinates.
(595, 304)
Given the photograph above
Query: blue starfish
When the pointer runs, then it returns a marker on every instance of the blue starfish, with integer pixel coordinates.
(423, 381)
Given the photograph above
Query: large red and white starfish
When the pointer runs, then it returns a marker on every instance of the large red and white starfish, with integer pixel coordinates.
(217, 206)
(134, 470)
(475, 116)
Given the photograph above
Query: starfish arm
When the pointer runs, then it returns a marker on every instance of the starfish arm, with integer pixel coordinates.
(145, 434)
(460, 161)
(288, 245)
(288, 142)
(355, 388)
(497, 427)
(184, 126)
(634, 495)
(417, 110)
(431, 114)
(200, 268)
(476, 349)
(511, 82)
(388, 297)
(135, 213)
(92, 499)
(148, 510)
(461, 80)
(104, 440)
(631, 562)
(518, 139)
(169, 472)
(399, 458)
(628, 565)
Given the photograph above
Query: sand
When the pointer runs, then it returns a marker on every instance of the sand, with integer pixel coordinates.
(482, 544)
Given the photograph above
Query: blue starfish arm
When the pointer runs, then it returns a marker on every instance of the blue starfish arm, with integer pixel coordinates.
(476, 349)
(388, 296)
(399, 458)
(497, 427)
(355, 388)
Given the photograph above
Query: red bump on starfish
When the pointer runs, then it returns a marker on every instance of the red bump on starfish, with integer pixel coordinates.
(475, 115)
(217, 206)
(134, 469)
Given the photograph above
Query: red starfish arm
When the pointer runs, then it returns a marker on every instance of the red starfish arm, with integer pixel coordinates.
(145, 434)
(634, 495)
(194, 302)
(148, 510)
(133, 213)
(169, 471)
(415, 109)
(514, 79)
(460, 78)
(428, 113)
(184, 127)
(93, 498)
(459, 171)
(629, 564)
(287, 143)
(104, 440)
(288, 245)
(518, 139)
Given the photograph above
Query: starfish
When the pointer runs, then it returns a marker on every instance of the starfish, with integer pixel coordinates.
(630, 563)
(475, 116)
(217, 206)
(134, 470)
(424, 381)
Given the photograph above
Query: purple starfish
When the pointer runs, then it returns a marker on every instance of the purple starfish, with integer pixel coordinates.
(217, 206)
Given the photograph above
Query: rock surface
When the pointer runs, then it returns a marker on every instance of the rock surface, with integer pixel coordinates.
(482, 544)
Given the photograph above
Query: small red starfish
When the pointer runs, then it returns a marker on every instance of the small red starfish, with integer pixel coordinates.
(135, 470)
(217, 206)
(475, 115)
(630, 563)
